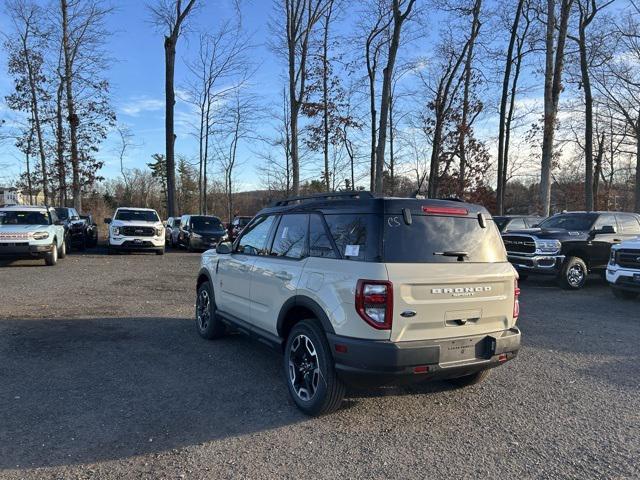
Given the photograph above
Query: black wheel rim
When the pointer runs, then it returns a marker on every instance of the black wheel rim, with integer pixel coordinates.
(304, 368)
(203, 311)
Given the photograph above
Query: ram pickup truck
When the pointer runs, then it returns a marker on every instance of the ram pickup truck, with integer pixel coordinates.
(31, 232)
(570, 245)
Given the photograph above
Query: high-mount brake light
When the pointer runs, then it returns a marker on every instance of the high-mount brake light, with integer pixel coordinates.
(445, 210)
(374, 303)
(516, 300)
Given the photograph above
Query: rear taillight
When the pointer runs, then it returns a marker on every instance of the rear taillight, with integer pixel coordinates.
(516, 299)
(374, 303)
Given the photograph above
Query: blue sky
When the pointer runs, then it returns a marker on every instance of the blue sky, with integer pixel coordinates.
(137, 81)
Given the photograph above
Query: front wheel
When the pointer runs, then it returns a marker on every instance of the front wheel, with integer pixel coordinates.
(624, 294)
(573, 275)
(207, 322)
(311, 378)
(51, 258)
(160, 251)
(62, 251)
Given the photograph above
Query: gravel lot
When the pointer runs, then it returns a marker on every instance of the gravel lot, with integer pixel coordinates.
(103, 376)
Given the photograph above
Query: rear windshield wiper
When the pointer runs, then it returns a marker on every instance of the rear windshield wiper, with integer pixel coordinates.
(449, 253)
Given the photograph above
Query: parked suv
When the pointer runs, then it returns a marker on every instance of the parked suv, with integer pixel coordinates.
(135, 229)
(172, 228)
(201, 232)
(31, 232)
(570, 245)
(75, 228)
(623, 271)
(355, 288)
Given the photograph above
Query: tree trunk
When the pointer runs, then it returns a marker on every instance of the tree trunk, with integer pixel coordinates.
(552, 88)
(392, 161)
(325, 97)
(503, 106)
(170, 138)
(76, 188)
(62, 174)
(637, 187)
(597, 172)
(387, 77)
(588, 114)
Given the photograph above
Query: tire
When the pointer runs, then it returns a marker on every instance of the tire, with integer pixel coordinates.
(51, 258)
(469, 380)
(309, 370)
(62, 251)
(188, 246)
(208, 324)
(111, 250)
(160, 251)
(624, 294)
(573, 275)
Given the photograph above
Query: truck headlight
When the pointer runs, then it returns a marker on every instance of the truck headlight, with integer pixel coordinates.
(612, 257)
(115, 231)
(158, 231)
(548, 247)
(41, 235)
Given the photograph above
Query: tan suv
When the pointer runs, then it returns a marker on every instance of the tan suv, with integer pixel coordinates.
(355, 288)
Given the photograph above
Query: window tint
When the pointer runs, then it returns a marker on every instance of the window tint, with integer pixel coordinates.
(350, 234)
(254, 240)
(628, 223)
(436, 239)
(571, 221)
(290, 236)
(319, 243)
(517, 224)
(604, 220)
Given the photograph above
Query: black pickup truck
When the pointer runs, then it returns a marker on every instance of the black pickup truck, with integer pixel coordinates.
(570, 245)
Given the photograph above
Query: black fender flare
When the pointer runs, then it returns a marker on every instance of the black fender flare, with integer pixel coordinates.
(203, 272)
(310, 304)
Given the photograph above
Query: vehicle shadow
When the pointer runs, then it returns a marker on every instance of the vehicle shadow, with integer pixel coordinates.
(82, 391)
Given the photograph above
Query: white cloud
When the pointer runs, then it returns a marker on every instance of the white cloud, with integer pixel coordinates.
(139, 105)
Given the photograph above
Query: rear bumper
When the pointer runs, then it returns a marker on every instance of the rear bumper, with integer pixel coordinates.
(24, 251)
(384, 362)
(544, 264)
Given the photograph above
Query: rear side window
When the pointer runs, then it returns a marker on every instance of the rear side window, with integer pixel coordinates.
(290, 237)
(439, 239)
(319, 242)
(357, 236)
(628, 223)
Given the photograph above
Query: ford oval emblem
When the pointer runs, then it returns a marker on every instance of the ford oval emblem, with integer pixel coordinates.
(408, 313)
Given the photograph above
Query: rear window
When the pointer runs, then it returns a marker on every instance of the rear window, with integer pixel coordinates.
(439, 239)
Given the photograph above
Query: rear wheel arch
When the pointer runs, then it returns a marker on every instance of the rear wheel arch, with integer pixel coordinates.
(581, 254)
(299, 308)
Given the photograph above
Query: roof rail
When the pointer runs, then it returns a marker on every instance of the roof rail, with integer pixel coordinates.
(360, 195)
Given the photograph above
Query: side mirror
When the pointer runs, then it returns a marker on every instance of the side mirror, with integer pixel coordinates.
(74, 218)
(107, 221)
(223, 248)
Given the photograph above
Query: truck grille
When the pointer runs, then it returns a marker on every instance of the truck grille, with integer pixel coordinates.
(137, 231)
(628, 258)
(519, 244)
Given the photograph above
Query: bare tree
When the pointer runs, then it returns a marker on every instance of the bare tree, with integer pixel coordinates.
(170, 15)
(554, 62)
(401, 11)
(301, 17)
(587, 10)
(27, 58)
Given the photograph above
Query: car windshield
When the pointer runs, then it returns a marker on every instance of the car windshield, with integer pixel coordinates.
(501, 222)
(206, 224)
(137, 216)
(63, 213)
(24, 218)
(571, 221)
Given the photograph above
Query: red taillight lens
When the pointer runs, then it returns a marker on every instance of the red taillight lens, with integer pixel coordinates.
(374, 303)
(445, 210)
(516, 299)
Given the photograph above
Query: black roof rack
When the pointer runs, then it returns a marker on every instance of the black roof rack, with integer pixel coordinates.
(360, 195)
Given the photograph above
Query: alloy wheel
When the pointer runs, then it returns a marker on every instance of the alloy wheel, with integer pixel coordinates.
(203, 309)
(304, 367)
(575, 275)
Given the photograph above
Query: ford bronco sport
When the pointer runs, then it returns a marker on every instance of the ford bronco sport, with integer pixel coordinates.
(355, 288)
(31, 232)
